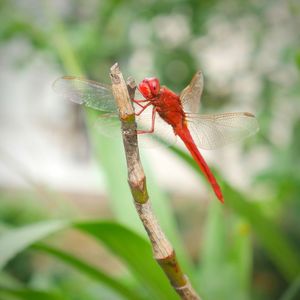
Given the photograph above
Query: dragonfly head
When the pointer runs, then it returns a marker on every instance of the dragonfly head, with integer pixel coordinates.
(149, 87)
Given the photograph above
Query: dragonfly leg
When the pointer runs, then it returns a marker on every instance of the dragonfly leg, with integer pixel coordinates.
(140, 105)
(138, 101)
(151, 130)
(143, 108)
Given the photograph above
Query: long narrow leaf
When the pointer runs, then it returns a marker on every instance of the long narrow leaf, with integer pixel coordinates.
(90, 271)
(283, 254)
(279, 248)
(293, 291)
(30, 294)
(214, 258)
(241, 255)
(214, 252)
(132, 249)
(16, 240)
(135, 252)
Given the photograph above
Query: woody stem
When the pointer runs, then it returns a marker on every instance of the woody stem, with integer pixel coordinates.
(162, 249)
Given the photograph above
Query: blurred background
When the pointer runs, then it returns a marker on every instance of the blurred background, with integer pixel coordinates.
(54, 165)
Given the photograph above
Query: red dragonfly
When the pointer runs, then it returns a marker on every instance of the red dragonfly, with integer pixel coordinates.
(178, 112)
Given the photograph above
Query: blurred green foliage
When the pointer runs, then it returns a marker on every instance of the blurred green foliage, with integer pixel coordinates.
(250, 246)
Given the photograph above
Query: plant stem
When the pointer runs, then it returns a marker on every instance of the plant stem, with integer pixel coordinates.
(162, 249)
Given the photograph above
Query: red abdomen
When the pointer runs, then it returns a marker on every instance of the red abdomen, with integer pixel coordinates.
(190, 144)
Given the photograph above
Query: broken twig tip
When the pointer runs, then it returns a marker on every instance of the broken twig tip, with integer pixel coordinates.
(131, 82)
(114, 67)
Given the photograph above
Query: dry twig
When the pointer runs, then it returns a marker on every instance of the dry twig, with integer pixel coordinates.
(162, 249)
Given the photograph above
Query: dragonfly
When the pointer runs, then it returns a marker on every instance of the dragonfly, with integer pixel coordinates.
(178, 112)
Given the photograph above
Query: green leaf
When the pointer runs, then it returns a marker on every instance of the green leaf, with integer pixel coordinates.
(16, 240)
(214, 257)
(241, 255)
(164, 213)
(30, 294)
(214, 250)
(90, 271)
(229, 259)
(297, 59)
(111, 157)
(283, 254)
(293, 291)
(131, 248)
(135, 252)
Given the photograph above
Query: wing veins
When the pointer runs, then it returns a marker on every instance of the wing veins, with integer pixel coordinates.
(213, 131)
(83, 91)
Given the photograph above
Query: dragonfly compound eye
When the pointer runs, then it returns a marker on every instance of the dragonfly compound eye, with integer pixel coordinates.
(154, 86)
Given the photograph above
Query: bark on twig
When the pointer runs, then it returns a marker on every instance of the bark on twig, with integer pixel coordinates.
(162, 249)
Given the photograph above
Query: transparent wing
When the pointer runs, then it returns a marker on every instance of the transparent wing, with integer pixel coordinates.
(108, 124)
(214, 131)
(190, 97)
(83, 91)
